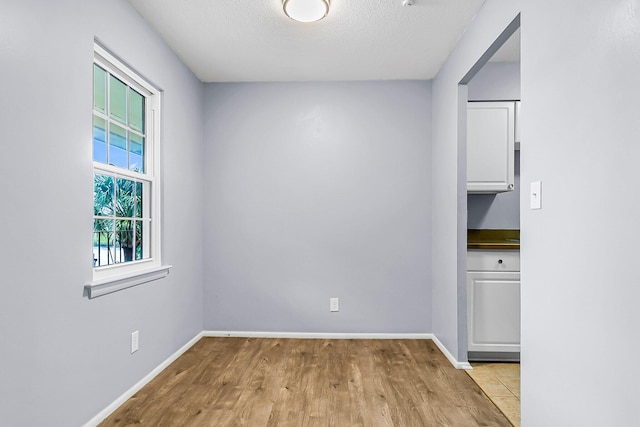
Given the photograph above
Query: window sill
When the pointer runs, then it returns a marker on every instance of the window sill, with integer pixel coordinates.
(113, 284)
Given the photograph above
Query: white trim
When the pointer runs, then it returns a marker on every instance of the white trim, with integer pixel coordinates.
(93, 422)
(318, 335)
(115, 66)
(121, 172)
(117, 283)
(448, 355)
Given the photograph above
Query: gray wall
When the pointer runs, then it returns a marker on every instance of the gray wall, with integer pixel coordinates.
(496, 81)
(496, 211)
(449, 189)
(318, 190)
(580, 287)
(65, 358)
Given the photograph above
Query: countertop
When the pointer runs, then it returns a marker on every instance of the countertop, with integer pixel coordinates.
(493, 239)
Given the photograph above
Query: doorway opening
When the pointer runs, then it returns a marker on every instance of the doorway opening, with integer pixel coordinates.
(490, 99)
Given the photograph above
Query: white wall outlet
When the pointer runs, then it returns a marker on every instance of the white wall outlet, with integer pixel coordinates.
(134, 341)
(334, 304)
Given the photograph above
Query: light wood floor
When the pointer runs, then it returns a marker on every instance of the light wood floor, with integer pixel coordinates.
(314, 382)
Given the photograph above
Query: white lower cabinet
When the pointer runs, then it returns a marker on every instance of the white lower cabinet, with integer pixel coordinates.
(493, 301)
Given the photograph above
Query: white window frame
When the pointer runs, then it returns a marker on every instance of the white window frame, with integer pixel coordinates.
(111, 278)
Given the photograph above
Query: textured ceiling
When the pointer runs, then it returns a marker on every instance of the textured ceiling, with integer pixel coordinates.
(253, 40)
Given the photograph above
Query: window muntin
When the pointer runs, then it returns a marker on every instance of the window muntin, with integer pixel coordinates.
(126, 194)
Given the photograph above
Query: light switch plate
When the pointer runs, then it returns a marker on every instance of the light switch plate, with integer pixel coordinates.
(536, 195)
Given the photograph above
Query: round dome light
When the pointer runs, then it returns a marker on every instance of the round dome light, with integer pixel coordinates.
(306, 10)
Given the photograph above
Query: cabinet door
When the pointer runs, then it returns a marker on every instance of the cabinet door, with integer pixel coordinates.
(493, 301)
(490, 147)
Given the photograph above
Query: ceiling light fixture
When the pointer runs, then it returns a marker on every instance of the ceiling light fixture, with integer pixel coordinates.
(306, 10)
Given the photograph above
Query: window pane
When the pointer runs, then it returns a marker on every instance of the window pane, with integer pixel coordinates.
(117, 100)
(103, 195)
(138, 211)
(117, 146)
(138, 240)
(136, 111)
(124, 241)
(99, 89)
(125, 201)
(136, 152)
(102, 242)
(99, 140)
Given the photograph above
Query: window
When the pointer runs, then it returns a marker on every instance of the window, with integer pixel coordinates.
(126, 215)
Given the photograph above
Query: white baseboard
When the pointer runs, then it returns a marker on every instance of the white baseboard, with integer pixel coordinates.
(448, 355)
(317, 335)
(247, 334)
(93, 422)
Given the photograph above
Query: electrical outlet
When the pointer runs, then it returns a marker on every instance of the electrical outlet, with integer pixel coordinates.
(334, 304)
(134, 341)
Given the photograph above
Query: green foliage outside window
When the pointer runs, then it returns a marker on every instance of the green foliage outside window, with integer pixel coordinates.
(117, 205)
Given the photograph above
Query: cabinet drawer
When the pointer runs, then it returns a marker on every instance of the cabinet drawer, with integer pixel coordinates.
(479, 260)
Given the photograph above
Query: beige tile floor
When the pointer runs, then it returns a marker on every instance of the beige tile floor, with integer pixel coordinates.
(501, 382)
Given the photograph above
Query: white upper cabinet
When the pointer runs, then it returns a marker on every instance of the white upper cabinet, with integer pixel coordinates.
(490, 147)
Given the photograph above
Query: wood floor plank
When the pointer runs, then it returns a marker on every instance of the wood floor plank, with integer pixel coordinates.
(310, 382)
